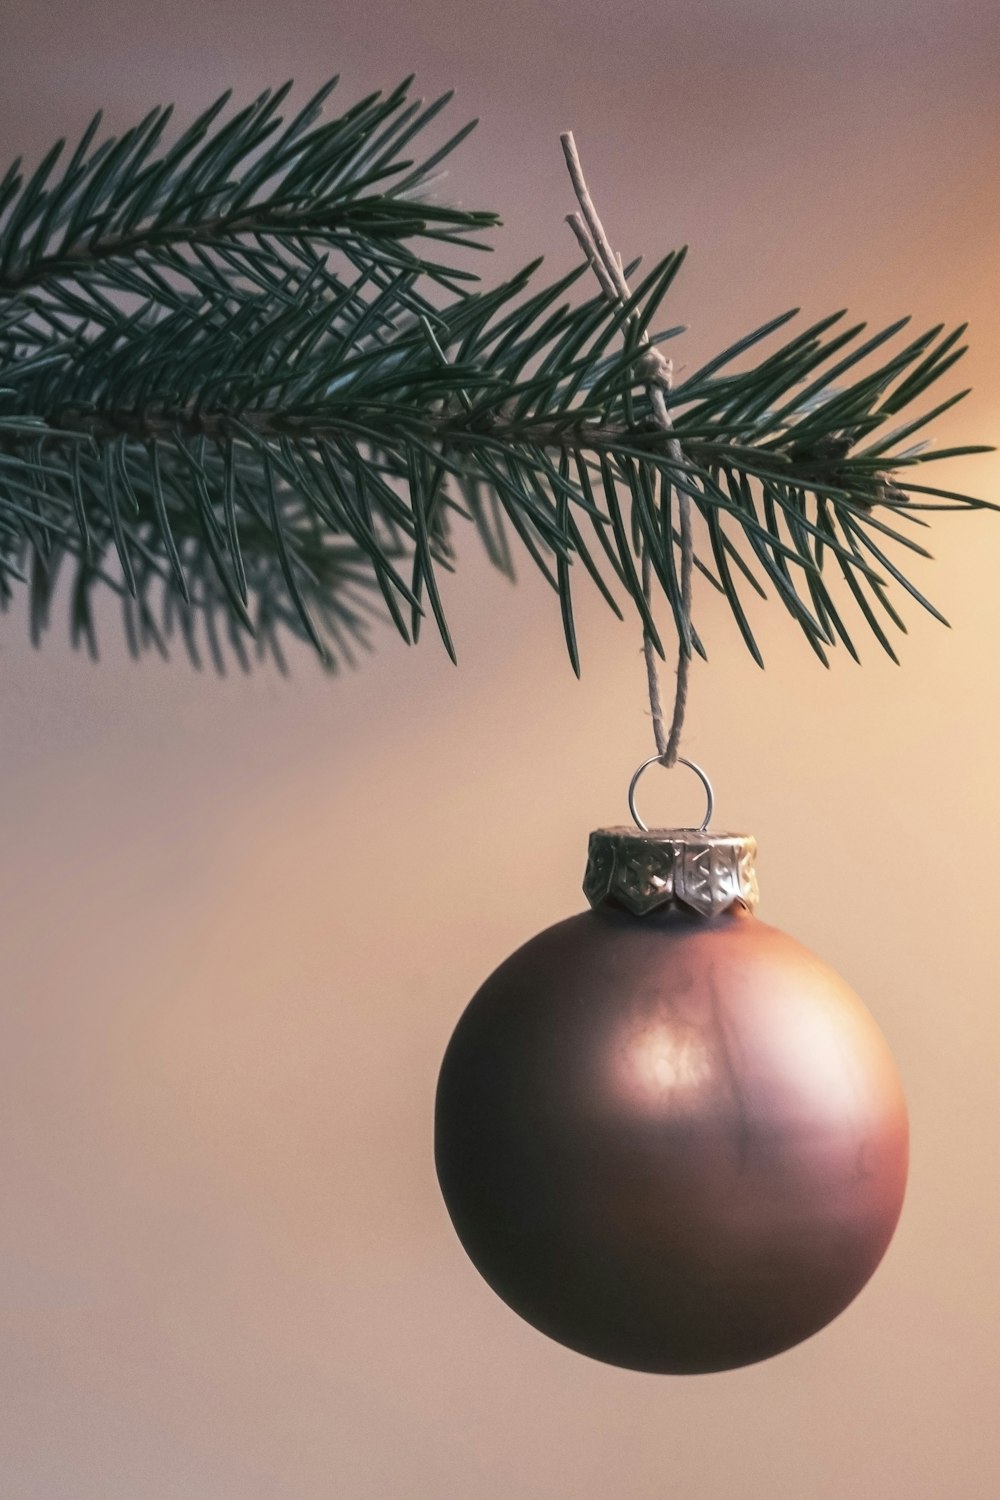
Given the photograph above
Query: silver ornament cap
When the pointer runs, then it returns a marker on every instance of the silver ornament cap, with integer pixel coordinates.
(645, 870)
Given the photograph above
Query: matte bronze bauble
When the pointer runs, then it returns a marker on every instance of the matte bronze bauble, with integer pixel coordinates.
(673, 1141)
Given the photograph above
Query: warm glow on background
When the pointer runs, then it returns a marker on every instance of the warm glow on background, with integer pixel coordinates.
(239, 919)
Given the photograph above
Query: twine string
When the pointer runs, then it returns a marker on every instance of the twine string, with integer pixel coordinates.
(657, 371)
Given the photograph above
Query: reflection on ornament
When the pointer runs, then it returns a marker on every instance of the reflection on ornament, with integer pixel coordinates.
(663, 1064)
(673, 1141)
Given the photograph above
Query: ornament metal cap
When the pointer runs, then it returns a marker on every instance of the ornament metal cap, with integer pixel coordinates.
(645, 869)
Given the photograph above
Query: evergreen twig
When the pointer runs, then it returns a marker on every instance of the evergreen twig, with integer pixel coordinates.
(240, 390)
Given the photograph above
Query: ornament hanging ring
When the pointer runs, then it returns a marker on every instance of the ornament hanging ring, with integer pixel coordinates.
(657, 760)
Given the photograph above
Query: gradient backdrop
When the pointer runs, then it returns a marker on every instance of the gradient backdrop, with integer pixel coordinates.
(240, 918)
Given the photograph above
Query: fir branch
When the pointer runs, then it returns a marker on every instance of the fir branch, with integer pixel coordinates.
(217, 188)
(235, 393)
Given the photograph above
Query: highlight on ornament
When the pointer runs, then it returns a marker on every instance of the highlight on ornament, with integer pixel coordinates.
(668, 1135)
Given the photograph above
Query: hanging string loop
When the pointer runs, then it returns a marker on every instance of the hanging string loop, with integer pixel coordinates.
(656, 371)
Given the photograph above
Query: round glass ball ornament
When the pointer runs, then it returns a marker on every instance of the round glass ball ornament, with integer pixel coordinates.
(667, 1135)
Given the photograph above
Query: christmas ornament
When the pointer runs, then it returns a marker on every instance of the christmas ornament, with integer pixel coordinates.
(668, 1135)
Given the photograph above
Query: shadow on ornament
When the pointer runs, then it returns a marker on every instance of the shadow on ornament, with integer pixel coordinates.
(669, 1136)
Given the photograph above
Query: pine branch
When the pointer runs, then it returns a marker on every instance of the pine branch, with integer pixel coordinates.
(220, 186)
(233, 393)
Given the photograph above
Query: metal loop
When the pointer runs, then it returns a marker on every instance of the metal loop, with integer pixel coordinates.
(657, 760)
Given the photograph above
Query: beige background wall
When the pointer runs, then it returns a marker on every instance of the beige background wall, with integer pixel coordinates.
(238, 919)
